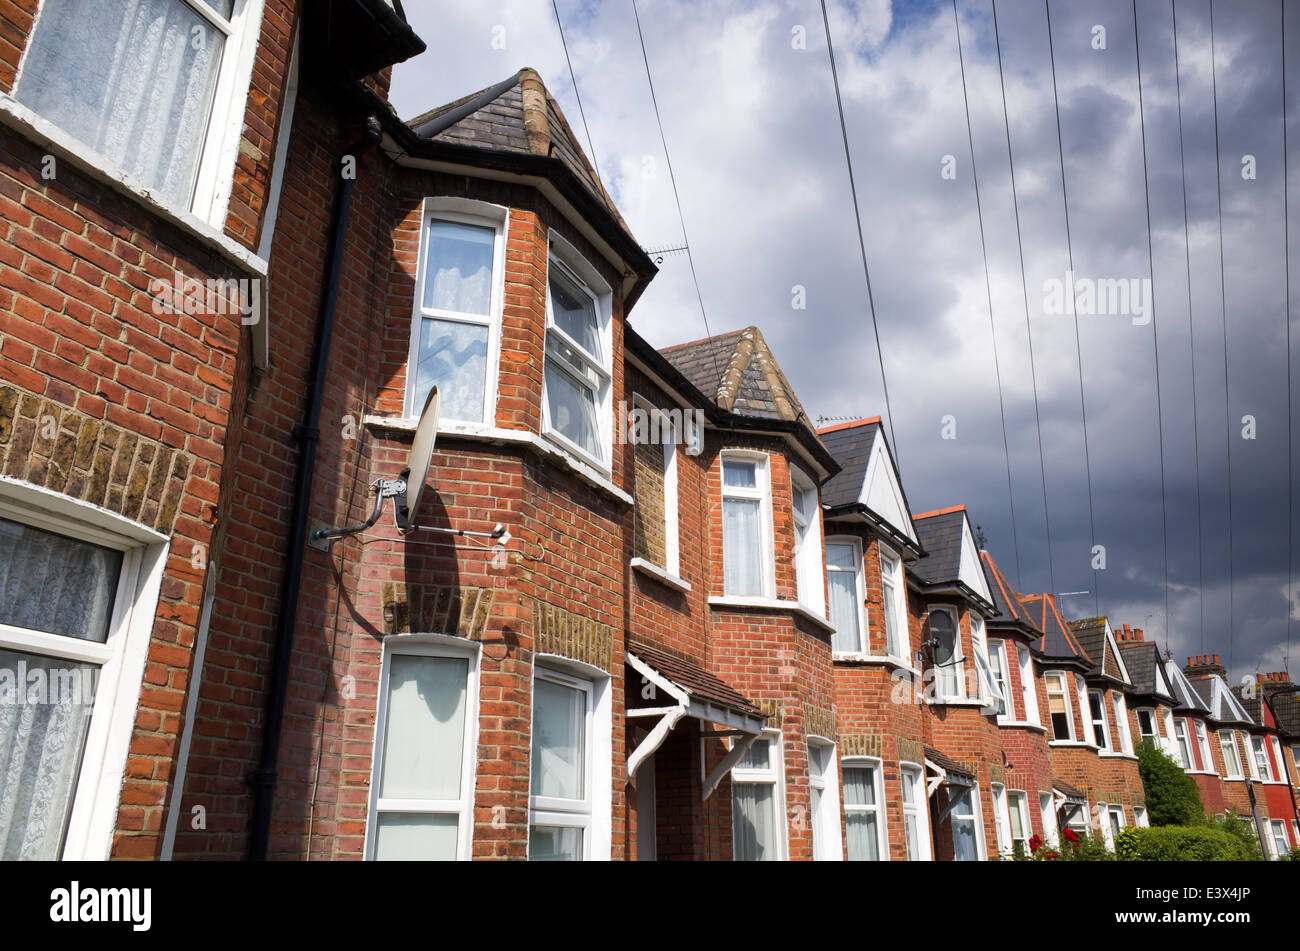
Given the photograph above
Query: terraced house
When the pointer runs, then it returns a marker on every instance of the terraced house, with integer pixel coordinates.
(635, 607)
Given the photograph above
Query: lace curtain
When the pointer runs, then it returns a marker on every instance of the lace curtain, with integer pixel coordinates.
(132, 79)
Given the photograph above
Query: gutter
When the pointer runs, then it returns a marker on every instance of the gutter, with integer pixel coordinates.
(307, 435)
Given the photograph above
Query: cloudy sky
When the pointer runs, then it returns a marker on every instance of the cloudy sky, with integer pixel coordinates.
(749, 113)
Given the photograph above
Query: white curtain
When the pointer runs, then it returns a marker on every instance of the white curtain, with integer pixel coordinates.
(559, 741)
(753, 822)
(56, 584)
(454, 356)
(963, 830)
(42, 733)
(133, 79)
(860, 825)
(458, 267)
(424, 732)
(741, 547)
(844, 613)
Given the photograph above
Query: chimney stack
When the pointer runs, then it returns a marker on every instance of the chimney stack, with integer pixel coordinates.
(1204, 665)
(1274, 681)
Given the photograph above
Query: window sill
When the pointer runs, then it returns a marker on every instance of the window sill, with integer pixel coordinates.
(1076, 744)
(1107, 754)
(46, 135)
(660, 575)
(771, 604)
(520, 437)
(956, 702)
(876, 660)
(1023, 725)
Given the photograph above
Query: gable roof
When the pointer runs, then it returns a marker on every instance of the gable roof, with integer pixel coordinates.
(1010, 612)
(1146, 669)
(1058, 642)
(1224, 705)
(1095, 636)
(1184, 695)
(868, 479)
(951, 556)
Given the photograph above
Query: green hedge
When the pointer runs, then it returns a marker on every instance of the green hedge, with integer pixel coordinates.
(1181, 844)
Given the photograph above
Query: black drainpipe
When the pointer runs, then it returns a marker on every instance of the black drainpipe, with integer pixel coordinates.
(262, 779)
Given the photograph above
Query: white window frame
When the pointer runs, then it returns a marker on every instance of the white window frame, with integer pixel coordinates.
(897, 646)
(1085, 712)
(762, 493)
(1102, 740)
(575, 267)
(914, 774)
(957, 664)
(1261, 752)
(1252, 765)
(809, 558)
(669, 436)
(1183, 744)
(828, 846)
(121, 658)
(1120, 706)
(1140, 817)
(1155, 725)
(1279, 771)
(1113, 810)
(878, 783)
(1001, 818)
(1295, 760)
(483, 215)
(859, 582)
(214, 181)
(987, 688)
(1018, 803)
(1047, 815)
(1170, 740)
(1203, 744)
(1277, 831)
(998, 649)
(1028, 684)
(774, 775)
(594, 814)
(428, 645)
(972, 795)
(1062, 679)
(1231, 766)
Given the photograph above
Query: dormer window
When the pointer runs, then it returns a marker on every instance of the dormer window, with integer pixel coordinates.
(579, 365)
(455, 333)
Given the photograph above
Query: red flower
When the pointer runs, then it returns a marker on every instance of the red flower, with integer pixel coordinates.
(1070, 836)
(1035, 843)
(1048, 854)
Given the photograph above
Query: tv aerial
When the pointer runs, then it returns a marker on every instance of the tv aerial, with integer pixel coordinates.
(406, 491)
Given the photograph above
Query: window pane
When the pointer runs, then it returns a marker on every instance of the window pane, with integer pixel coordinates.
(860, 786)
(56, 584)
(415, 836)
(909, 788)
(863, 839)
(742, 475)
(839, 555)
(424, 733)
(43, 728)
(574, 312)
(573, 409)
(758, 756)
(454, 356)
(554, 844)
(753, 822)
(559, 740)
(910, 820)
(742, 547)
(963, 830)
(458, 267)
(844, 611)
(1017, 827)
(132, 79)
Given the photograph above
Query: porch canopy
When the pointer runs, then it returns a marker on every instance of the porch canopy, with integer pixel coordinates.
(1067, 799)
(691, 691)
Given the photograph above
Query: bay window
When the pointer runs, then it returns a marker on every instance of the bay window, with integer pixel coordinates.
(966, 824)
(746, 525)
(576, 381)
(1090, 735)
(1097, 710)
(893, 602)
(76, 614)
(1276, 747)
(1263, 768)
(844, 584)
(1018, 814)
(455, 330)
(1203, 745)
(757, 802)
(1047, 815)
(1028, 686)
(1181, 744)
(1280, 844)
(1001, 819)
(823, 793)
(987, 689)
(998, 667)
(421, 804)
(1147, 727)
(1116, 815)
(916, 813)
(1123, 734)
(1231, 761)
(154, 87)
(807, 542)
(562, 780)
(864, 822)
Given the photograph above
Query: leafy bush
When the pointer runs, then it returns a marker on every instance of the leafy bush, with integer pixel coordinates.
(1198, 843)
(1172, 796)
(1243, 830)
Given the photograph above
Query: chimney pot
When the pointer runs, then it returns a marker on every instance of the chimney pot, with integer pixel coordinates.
(1137, 633)
(1216, 658)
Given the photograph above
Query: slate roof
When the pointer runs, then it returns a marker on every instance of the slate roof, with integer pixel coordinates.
(1140, 659)
(940, 534)
(1058, 639)
(851, 447)
(1250, 704)
(518, 115)
(1068, 790)
(1186, 697)
(1010, 611)
(948, 765)
(698, 682)
(1286, 709)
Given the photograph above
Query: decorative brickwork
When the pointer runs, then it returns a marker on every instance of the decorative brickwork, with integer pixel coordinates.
(819, 721)
(861, 744)
(436, 609)
(91, 460)
(557, 631)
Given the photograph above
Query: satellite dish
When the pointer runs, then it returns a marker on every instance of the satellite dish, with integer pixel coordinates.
(417, 464)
